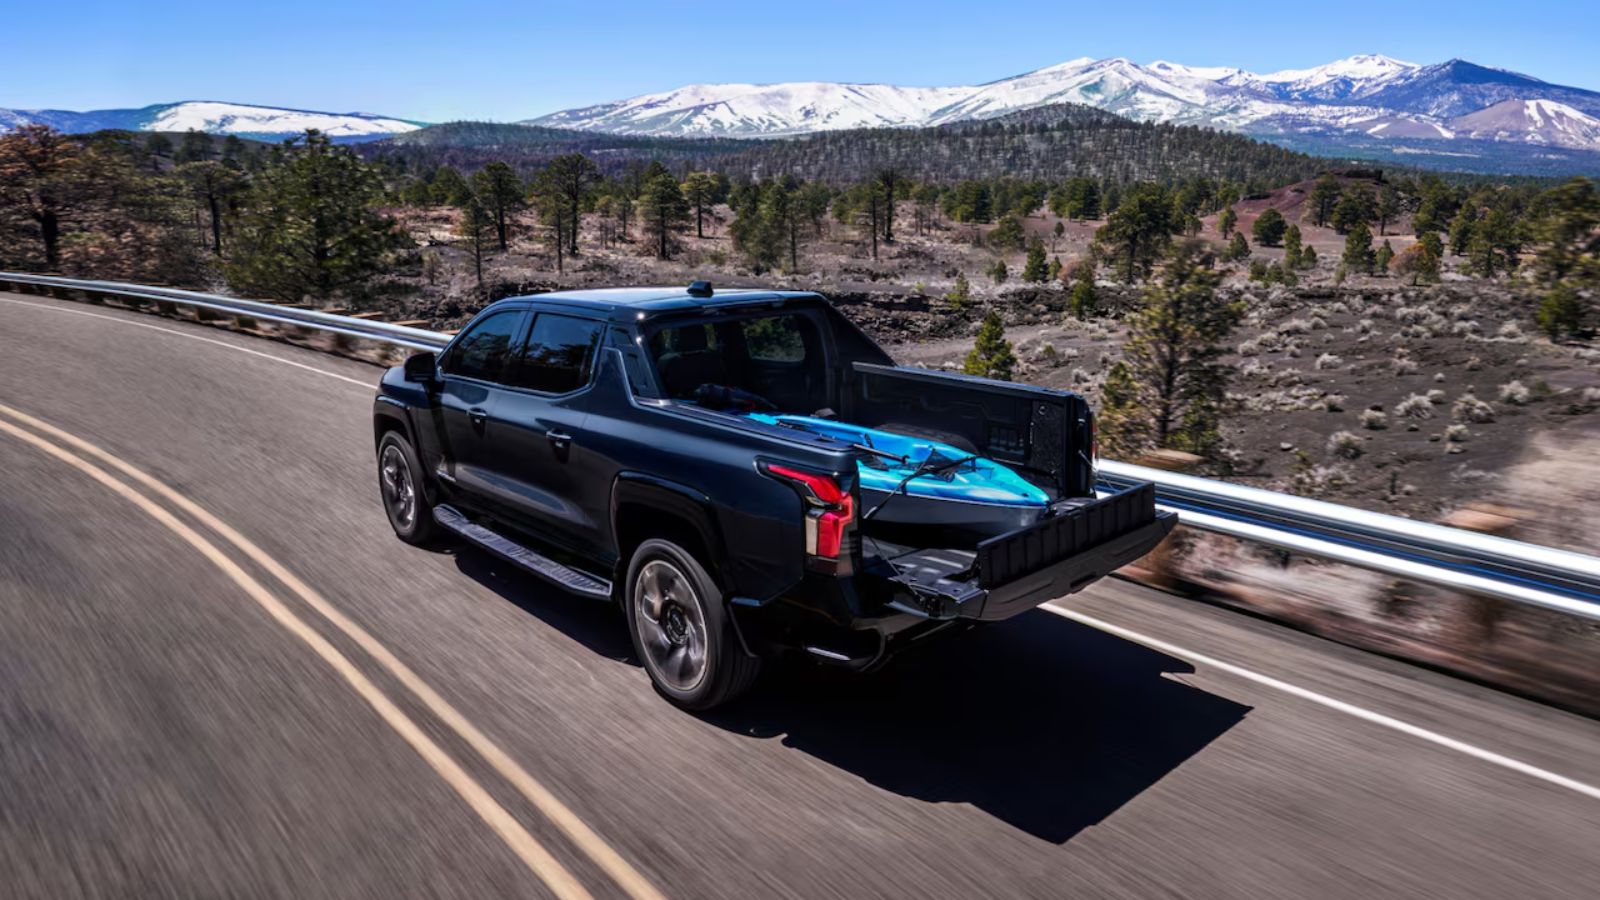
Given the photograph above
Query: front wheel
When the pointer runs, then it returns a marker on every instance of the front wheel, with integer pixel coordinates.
(681, 630)
(401, 487)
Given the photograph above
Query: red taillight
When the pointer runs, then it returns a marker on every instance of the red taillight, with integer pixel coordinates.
(830, 511)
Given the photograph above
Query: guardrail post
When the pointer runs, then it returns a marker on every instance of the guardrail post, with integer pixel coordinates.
(1485, 613)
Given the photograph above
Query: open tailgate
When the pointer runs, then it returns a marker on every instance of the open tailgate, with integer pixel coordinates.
(1016, 571)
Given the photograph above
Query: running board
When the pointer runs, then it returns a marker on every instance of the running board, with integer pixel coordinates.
(562, 576)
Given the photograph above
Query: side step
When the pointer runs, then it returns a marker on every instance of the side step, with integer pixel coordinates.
(562, 576)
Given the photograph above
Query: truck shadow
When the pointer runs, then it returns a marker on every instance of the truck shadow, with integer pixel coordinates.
(1043, 723)
(1046, 724)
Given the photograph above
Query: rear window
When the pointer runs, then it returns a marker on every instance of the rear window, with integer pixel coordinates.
(776, 338)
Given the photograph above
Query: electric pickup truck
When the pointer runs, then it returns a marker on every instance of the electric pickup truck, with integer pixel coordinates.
(747, 475)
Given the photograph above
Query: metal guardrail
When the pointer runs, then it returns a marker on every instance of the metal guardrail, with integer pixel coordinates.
(1434, 554)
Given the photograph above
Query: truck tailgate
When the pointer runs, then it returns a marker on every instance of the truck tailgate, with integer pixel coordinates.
(1014, 572)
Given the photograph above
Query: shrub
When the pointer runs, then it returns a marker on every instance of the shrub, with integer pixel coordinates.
(1415, 406)
(1456, 434)
(1346, 444)
(1328, 361)
(1515, 393)
(1374, 420)
(1404, 365)
(1470, 409)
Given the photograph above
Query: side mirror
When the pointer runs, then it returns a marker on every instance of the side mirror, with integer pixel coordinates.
(422, 368)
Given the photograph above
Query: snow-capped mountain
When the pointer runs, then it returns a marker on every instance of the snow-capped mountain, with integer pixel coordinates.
(1532, 122)
(1371, 97)
(214, 117)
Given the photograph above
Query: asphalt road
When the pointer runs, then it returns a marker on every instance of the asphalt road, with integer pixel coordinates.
(221, 675)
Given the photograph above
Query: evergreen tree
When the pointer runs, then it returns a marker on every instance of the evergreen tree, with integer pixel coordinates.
(478, 227)
(889, 186)
(449, 188)
(498, 190)
(196, 147)
(312, 226)
(571, 179)
(1122, 424)
(38, 169)
(1384, 256)
(998, 272)
(1461, 231)
(1138, 232)
(1355, 206)
(1083, 302)
(1055, 235)
(1007, 234)
(1053, 273)
(214, 187)
(1176, 381)
(1293, 250)
(1308, 257)
(1269, 227)
(1324, 196)
(663, 211)
(1562, 313)
(1226, 221)
(1035, 270)
(1388, 208)
(1567, 234)
(991, 355)
(1238, 248)
(960, 292)
(700, 190)
(157, 145)
(1495, 245)
(1358, 255)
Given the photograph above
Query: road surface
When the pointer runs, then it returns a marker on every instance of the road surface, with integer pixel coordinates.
(221, 675)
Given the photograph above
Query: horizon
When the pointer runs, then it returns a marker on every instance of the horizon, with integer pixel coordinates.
(322, 69)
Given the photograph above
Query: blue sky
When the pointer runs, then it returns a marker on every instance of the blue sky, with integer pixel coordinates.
(507, 61)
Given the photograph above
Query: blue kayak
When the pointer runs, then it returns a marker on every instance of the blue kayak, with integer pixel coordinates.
(930, 483)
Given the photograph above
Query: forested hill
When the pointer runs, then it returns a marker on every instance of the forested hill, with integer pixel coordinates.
(1045, 143)
(470, 145)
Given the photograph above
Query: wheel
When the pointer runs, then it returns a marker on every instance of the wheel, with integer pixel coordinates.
(681, 629)
(401, 486)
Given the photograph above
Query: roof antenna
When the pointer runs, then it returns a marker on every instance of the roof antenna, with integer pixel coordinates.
(700, 289)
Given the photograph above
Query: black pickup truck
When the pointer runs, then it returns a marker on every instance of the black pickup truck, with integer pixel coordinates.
(747, 474)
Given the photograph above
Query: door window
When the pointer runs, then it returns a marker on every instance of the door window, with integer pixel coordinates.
(559, 354)
(484, 350)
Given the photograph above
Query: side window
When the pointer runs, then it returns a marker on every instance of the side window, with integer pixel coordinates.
(485, 349)
(559, 355)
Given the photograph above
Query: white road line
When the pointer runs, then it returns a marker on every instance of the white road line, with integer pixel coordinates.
(1350, 709)
(1432, 737)
(370, 385)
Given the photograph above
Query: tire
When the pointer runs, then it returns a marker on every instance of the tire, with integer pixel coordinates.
(404, 491)
(674, 608)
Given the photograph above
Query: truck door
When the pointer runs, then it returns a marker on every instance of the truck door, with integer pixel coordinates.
(543, 471)
(471, 372)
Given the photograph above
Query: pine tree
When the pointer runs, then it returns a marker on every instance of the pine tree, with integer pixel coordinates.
(663, 211)
(1136, 234)
(1562, 313)
(571, 179)
(500, 192)
(196, 147)
(1083, 302)
(1177, 380)
(700, 190)
(1007, 234)
(890, 186)
(1054, 272)
(449, 187)
(214, 187)
(998, 272)
(1384, 256)
(1461, 231)
(1238, 248)
(1388, 208)
(312, 226)
(960, 292)
(1293, 250)
(1308, 257)
(1269, 228)
(38, 168)
(1324, 196)
(1226, 221)
(1035, 270)
(477, 226)
(1358, 256)
(991, 355)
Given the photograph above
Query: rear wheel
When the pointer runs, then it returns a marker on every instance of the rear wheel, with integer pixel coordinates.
(681, 630)
(400, 485)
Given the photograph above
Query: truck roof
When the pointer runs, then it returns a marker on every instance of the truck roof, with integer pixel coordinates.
(633, 302)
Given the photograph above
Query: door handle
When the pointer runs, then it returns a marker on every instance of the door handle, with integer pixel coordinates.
(477, 416)
(558, 439)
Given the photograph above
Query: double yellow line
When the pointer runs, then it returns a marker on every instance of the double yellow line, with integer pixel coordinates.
(83, 456)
